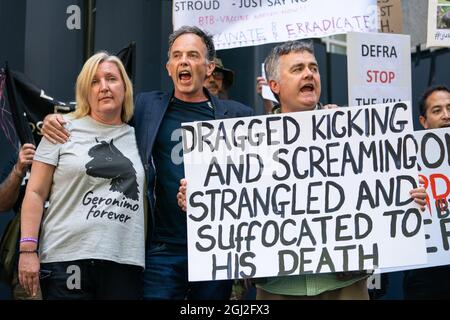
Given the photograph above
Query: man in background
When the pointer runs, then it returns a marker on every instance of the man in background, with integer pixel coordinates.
(431, 283)
(220, 80)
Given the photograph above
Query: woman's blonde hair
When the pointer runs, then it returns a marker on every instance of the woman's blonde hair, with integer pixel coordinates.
(84, 80)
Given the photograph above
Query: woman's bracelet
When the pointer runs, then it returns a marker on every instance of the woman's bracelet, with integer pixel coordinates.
(28, 251)
(29, 239)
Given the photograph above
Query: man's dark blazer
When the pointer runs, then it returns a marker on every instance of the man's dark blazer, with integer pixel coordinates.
(150, 108)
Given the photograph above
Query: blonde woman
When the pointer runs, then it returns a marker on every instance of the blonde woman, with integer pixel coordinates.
(89, 244)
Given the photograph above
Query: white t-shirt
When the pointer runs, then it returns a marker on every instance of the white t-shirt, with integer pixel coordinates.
(96, 205)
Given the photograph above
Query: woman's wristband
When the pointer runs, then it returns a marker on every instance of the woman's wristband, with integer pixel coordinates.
(29, 239)
(28, 251)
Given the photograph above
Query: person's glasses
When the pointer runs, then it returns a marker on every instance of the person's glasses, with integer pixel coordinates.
(218, 75)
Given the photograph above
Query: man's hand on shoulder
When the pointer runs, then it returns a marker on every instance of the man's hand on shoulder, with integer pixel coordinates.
(53, 129)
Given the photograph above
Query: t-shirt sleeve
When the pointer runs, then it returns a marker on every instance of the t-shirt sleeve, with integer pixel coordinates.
(48, 152)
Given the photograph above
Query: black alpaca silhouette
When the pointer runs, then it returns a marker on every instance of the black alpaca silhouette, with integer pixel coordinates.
(110, 163)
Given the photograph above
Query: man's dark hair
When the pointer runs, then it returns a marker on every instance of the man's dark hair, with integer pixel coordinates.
(426, 94)
(206, 38)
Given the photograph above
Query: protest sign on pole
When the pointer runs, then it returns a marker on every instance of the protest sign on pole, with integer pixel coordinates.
(241, 23)
(438, 31)
(303, 192)
(390, 16)
(379, 68)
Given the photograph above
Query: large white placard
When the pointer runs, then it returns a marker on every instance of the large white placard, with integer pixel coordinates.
(318, 191)
(379, 68)
(438, 31)
(241, 23)
(434, 163)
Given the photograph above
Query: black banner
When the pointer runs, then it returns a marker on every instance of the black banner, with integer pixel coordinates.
(23, 105)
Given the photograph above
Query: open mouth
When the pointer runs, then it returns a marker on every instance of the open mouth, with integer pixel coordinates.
(184, 75)
(309, 87)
